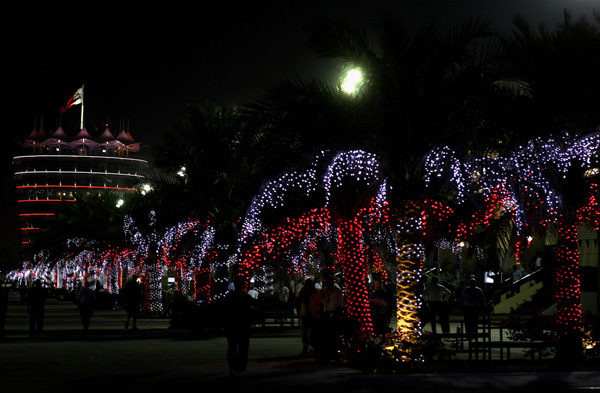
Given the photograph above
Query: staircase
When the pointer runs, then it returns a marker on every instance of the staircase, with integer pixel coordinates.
(525, 289)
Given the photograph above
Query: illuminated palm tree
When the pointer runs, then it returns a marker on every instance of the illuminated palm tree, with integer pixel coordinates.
(536, 184)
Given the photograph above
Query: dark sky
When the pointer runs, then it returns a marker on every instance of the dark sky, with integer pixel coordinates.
(144, 61)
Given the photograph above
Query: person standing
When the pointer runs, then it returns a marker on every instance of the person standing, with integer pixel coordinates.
(438, 297)
(133, 298)
(303, 310)
(517, 274)
(238, 319)
(86, 299)
(472, 301)
(36, 301)
(332, 297)
(3, 307)
(283, 297)
(331, 318)
(539, 262)
(253, 292)
(381, 307)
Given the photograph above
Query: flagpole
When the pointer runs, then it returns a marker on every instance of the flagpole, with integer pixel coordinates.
(82, 99)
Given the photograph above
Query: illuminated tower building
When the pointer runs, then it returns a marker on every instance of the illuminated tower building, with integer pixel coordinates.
(53, 169)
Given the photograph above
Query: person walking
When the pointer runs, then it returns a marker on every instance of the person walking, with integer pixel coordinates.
(36, 300)
(133, 298)
(238, 319)
(472, 301)
(438, 297)
(86, 299)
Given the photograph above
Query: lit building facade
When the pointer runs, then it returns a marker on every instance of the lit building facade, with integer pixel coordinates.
(54, 168)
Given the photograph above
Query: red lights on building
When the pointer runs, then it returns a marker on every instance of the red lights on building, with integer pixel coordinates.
(77, 186)
(45, 200)
(58, 165)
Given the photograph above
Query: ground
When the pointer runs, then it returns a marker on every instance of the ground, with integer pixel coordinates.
(109, 358)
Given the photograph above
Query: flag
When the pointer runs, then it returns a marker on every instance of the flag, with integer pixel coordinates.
(76, 99)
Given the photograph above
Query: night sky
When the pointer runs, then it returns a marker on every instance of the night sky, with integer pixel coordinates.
(143, 62)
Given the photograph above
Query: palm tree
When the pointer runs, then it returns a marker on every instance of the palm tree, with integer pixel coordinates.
(537, 184)
(208, 158)
(208, 167)
(421, 88)
(561, 66)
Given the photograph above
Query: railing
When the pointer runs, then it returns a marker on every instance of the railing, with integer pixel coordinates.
(79, 156)
(480, 345)
(508, 284)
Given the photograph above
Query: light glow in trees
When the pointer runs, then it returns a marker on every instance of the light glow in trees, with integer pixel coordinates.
(523, 183)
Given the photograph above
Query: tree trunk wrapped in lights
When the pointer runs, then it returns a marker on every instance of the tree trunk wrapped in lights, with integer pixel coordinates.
(184, 280)
(408, 266)
(568, 280)
(567, 277)
(409, 255)
(352, 256)
(154, 272)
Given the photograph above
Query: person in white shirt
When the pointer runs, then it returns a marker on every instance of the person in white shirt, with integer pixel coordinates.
(253, 293)
(283, 296)
(328, 325)
(517, 274)
(318, 284)
(283, 293)
(438, 301)
(332, 297)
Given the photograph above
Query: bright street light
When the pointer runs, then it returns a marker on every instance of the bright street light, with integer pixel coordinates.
(146, 188)
(351, 81)
(120, 203)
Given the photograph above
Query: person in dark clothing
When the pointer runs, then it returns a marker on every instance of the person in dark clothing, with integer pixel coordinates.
(381, 306)
(3, 308)
(22, 294)
(36, 301)
(238, 318)
(85, 301)
(133, 298)
(472, 301)
(303, 304)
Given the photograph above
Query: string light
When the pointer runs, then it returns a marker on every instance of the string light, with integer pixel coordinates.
(260, 245)
(521, 184)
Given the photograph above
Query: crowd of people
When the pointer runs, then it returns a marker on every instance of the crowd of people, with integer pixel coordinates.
(85, 297)
(317, 302)
(441, 298)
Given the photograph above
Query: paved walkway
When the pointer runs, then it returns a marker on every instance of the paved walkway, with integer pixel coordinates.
(110, 359)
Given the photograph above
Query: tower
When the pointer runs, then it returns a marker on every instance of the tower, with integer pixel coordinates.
(54, 168)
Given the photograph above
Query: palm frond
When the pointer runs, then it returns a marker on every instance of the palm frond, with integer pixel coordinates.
(341, 42)
(514, 87)
(160, 176)
(458, 37)
(522, 31)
